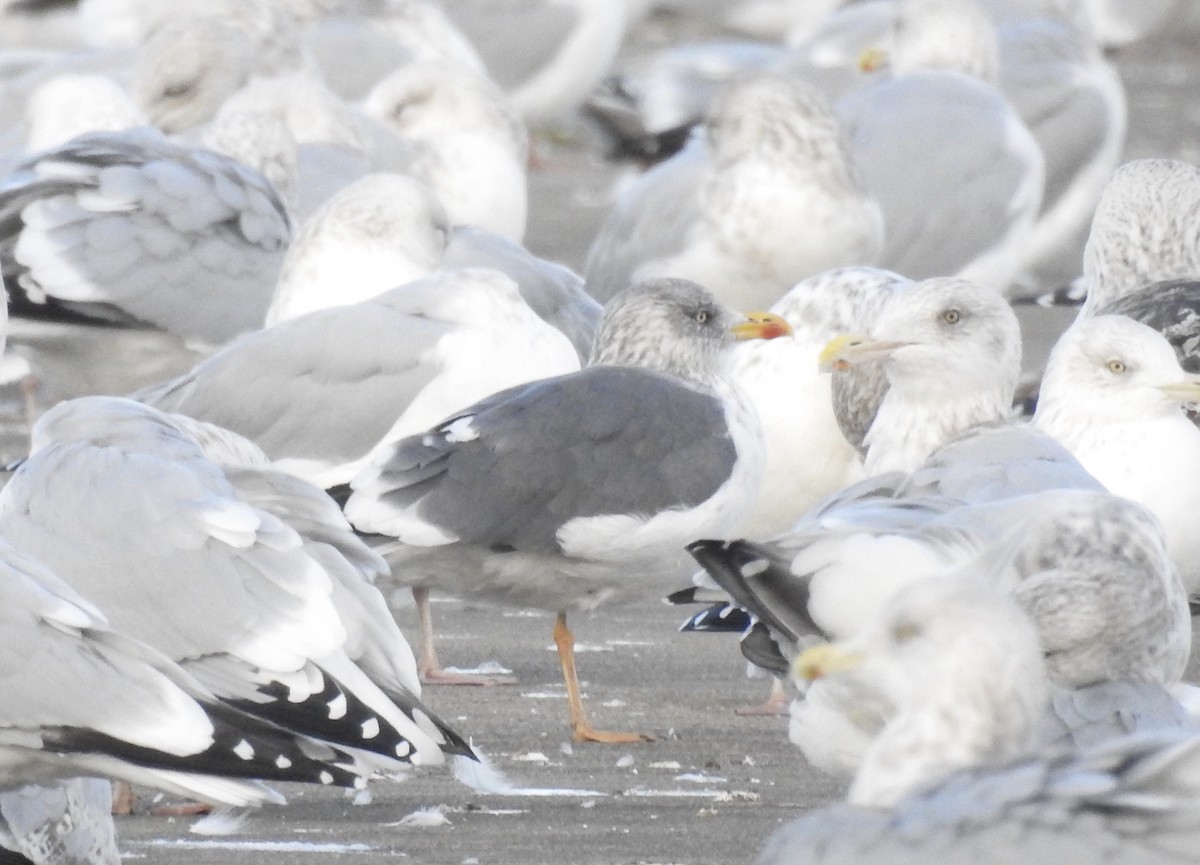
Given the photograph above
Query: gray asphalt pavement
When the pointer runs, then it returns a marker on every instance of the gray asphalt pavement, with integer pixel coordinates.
(708, 790)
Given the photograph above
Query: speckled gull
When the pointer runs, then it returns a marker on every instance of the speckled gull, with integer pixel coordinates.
(767, 196)
(231, 590)
(131, 225)
(951, 353)
(1113, 394)
(406, 359)
(61, 822)
(1146, 229)
(956, 778)
(539, 497)
(980, 197)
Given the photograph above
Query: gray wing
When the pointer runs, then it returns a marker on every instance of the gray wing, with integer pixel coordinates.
(159, 540)
(1173, 309)
(57, 652)
(553, 291)
(373, 639)
(61, 822)
(296, 389)
(857, 394)
(941, 214)
(999, 462)
(181, 238)
(510, 471)
(1086, 717)
(1125, 801)
(514, 38)
(650, 221)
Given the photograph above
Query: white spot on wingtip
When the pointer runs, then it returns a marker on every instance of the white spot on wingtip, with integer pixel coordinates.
(370, 728)
(244, 750)
(337, 707)
(403, 749)
(461, 430)
(283, 762)
(754, 568)
(325, 777)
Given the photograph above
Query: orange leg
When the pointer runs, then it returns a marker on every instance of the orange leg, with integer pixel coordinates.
(581, 730)
(429, 668)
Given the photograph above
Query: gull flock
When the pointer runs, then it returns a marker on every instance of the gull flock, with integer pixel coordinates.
(789, 358)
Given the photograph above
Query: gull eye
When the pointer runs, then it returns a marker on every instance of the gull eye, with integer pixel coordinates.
(905, 631)
(701, 316)
(174, 91)
(951, 316)
(1116, 367)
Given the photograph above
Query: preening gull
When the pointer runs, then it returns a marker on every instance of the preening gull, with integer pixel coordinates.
(177, 551)
(981, 196)
(955, 777)
(406, 359)
(572, 491)
(768, 196)
(131, 225)
(951, 351)
(1113, 394)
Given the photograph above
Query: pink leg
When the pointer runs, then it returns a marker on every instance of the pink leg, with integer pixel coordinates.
(429, 668)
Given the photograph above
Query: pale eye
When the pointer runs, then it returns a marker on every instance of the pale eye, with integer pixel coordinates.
(702, 316)
(1116, 367)
(951, 316)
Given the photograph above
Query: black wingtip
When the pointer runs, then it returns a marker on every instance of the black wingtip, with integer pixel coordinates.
(760, 649)
(334, 715)
(719, 618)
